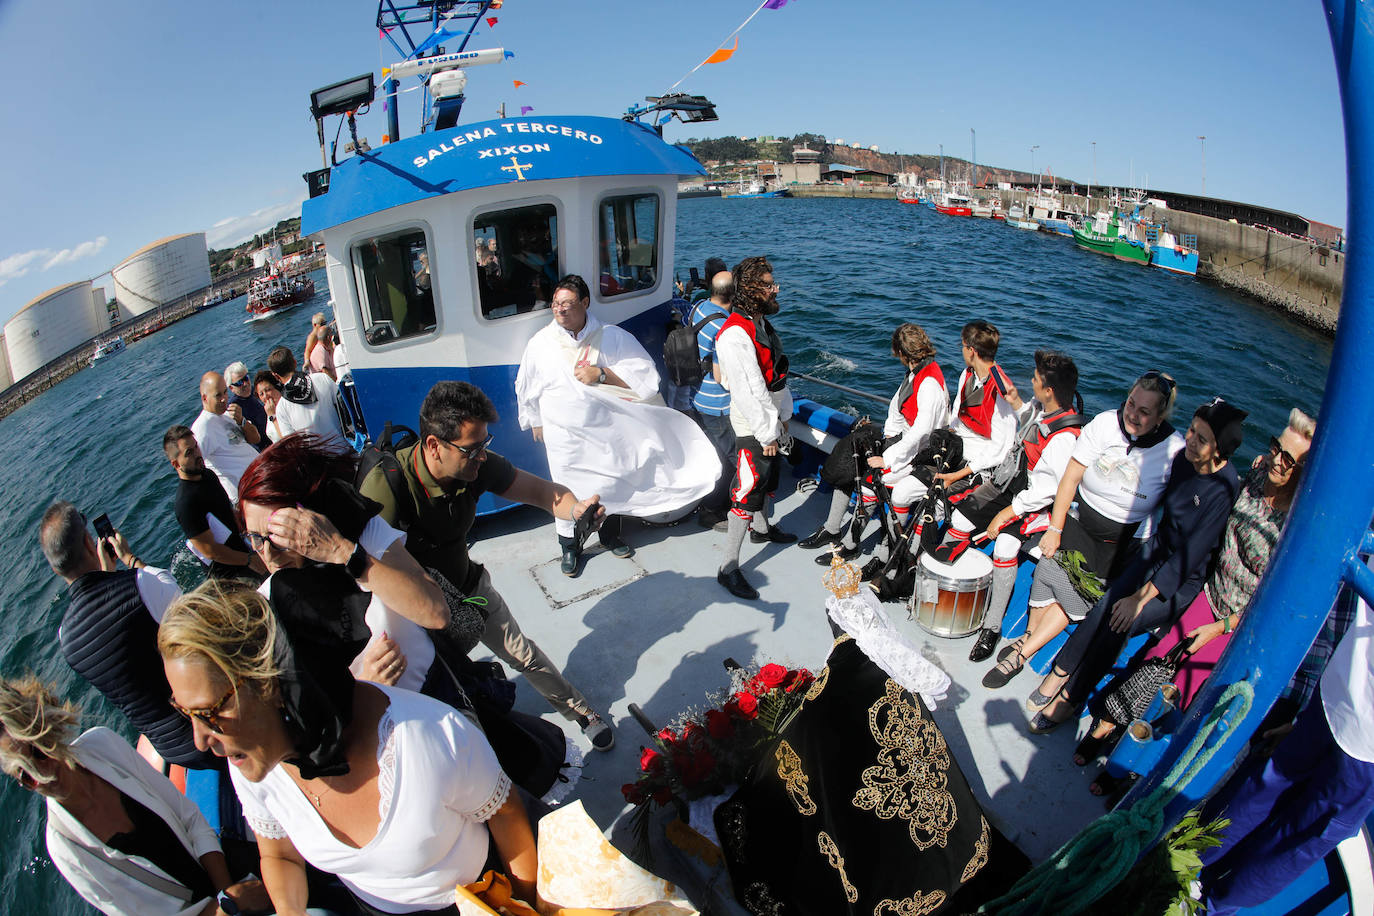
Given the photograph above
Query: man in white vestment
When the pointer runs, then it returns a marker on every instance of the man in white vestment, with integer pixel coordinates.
(590, 392)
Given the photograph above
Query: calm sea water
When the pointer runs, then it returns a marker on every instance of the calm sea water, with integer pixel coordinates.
(850, 270)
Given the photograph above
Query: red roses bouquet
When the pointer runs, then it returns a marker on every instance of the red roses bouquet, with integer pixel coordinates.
(704, 752)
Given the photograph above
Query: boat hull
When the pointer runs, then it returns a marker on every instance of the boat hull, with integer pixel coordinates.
(782, 193)
(1134, 252)
(1057, 226)
(953, 211)
(1093, 241)
(1178, 260)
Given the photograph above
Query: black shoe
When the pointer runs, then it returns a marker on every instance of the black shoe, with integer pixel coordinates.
(711, 518)
(774, 535)
(569, 564)
(736, 585)
(986, 642)
(619, 548)
(818, 538)
(846, 554)
(872, 569)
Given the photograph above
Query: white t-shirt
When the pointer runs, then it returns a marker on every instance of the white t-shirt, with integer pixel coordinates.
(409, 636)
(439, 784)
(320, 418)
(157, 589)
(1123, 486)
(226, 452)
(1348, 687)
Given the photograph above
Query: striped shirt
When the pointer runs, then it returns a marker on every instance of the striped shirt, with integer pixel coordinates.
(711, 399)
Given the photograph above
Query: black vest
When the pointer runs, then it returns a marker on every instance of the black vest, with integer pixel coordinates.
(109, 638)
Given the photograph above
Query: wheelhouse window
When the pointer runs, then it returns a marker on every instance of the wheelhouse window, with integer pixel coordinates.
(394, 286)
(516, 255)
(629, 244)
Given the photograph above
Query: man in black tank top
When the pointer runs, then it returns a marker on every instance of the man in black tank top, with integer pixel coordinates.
(205, 513)
(109, 633)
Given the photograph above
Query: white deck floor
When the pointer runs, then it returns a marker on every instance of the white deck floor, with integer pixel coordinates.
(654, 630)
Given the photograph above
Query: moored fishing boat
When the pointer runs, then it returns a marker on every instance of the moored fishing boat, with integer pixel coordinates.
(1129, 244)
(1100, 235)
(1171, 252)
(954, 203)
(107, 347)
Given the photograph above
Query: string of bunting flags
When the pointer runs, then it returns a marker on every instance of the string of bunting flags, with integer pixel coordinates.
(722, 53)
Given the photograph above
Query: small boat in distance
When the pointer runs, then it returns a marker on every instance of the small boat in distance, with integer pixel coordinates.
(272, 293)
(1016, 216)
(956, 201)
(1169, 252)
(106, 348)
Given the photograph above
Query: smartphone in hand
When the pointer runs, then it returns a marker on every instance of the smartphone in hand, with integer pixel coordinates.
(103, 528)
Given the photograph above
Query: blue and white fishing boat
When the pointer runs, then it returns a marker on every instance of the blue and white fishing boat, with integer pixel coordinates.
(441, 247)
(1172, 252)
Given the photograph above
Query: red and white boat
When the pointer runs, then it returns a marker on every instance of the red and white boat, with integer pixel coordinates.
(954, 204)
(273, 292)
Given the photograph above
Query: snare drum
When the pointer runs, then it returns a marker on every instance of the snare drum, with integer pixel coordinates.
(951, 599)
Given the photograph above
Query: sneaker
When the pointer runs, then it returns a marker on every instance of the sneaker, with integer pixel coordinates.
(737, 585)
(986, 642)
(774, 535)
(569, 564)
(818, 538)
(597, 732)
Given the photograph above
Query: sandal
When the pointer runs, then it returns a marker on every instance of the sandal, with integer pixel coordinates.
(1111, 789)
(1004, 671)
(1090, 748)
(1011, 647)
(1043, 724)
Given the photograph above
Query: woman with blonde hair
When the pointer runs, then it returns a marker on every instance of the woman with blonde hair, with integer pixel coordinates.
(120, 833)
(395, 793)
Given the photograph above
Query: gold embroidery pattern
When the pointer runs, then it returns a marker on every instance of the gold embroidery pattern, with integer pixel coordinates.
(980, 854)
(916, 905)
(758, 899)
(790, 772)
(842, 638)
(818, 684)
(733, 830)
(911, 778)
(832, 853)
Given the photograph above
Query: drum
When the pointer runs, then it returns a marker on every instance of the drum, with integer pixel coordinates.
(951, 599)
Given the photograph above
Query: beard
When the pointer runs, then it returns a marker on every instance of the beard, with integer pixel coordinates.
(770, 307)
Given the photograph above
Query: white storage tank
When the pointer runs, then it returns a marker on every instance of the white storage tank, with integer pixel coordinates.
(162, 272)
(50, 325)
(6, 376)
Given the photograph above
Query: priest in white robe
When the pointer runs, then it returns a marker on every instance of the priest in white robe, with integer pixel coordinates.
(590, 392)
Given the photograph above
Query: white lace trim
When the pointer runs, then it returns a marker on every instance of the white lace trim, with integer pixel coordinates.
(862, 617)
(386, 765)
(265, 827)
(494, 801)
(571, 770)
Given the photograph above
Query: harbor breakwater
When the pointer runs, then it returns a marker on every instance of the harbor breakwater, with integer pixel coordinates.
(1299, 276)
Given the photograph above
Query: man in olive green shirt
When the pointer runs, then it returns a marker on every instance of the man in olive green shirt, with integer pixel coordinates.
(446, 472)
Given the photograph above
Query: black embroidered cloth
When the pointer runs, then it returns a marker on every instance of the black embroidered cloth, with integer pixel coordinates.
(860, 808)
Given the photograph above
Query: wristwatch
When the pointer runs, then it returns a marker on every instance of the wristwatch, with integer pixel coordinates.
(357, 563)
(227, 904)
(601, 377)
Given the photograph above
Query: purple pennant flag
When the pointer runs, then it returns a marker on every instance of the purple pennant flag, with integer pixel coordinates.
(775, 4)
(526, 109)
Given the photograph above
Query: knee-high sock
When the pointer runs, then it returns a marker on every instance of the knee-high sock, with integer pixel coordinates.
(900, 514)
(737, 524)
(839, 503)
(1003, 583)
(760, 521)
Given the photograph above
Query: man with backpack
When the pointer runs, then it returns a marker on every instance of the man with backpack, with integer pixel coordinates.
(710, 401)
(430, 490)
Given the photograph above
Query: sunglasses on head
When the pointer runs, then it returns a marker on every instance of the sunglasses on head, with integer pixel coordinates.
(1164, 381)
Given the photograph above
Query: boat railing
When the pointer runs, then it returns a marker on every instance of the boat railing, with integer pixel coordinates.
(845, 388)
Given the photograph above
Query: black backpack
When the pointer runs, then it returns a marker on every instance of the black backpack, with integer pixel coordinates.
(681, 356)
(383, 453)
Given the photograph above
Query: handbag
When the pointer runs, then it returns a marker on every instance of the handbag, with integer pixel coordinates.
(1130, 698)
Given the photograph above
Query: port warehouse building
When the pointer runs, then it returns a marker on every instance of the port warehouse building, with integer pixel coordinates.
(64, 319)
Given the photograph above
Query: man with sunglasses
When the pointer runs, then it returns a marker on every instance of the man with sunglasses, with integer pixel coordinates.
(241, 394)
(109, 631)
(435, 503)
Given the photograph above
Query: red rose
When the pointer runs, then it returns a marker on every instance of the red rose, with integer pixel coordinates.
(800, 681)
(650, 760)
(666, 735)
(698, 769)
(731, 708)
(693, 733)
(663, 795)
(748, 705)
(772, 676)
(719, 725)
(633, 793)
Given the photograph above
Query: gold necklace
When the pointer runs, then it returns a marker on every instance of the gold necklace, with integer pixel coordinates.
(311, 792)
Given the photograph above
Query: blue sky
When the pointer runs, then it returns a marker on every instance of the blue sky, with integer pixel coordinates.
(154, 118)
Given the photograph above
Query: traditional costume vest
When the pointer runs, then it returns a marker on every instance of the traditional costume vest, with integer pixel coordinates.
(977, 405)
(1045, 429)
(767, 348)
(912, 385)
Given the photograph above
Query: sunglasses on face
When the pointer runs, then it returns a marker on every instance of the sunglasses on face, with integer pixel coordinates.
(472, 451)
(209, 715)
(257, 541)
(1282, 459)
(240, 382)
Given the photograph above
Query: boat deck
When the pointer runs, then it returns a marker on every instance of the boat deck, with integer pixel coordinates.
(654, 630)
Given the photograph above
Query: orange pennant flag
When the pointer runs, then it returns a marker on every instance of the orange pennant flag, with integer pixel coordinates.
(517, 83)
(722, 54)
